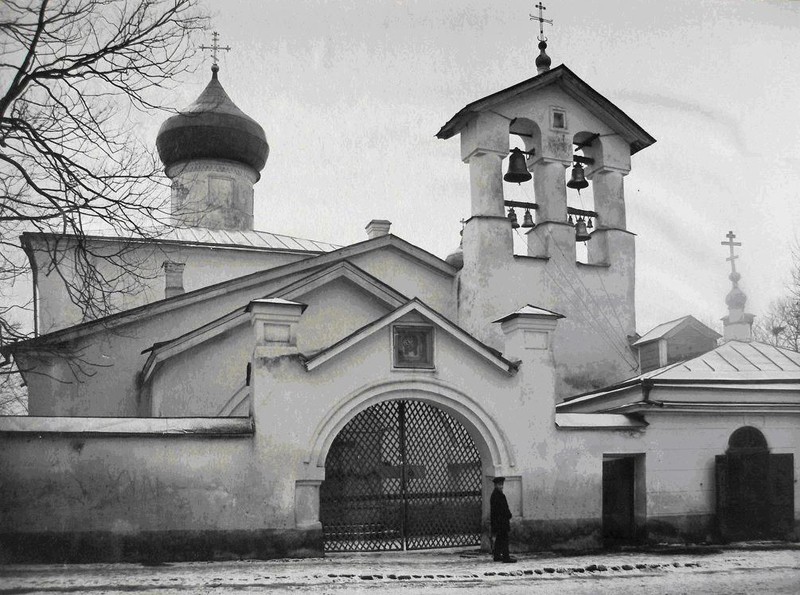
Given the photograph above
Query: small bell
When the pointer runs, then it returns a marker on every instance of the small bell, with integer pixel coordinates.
(517, 170)
(512, 216)
(589, 224)
(577, 181)
(570, 221)
(527, 219)
(581, 234)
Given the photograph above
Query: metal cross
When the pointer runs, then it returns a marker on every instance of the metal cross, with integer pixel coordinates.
(541, 20)
(215, 47)
(730, 243)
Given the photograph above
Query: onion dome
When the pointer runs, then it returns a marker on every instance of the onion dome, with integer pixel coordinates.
(456, 258)
(542, 60)
(212, 128)
(736, 298)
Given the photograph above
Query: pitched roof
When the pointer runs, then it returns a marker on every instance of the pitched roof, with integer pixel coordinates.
(673, 327)
(532, 311)
(199, 236)
(163, 350)
(205, 293)
(414, 305)
(598, 105)
(733, 366)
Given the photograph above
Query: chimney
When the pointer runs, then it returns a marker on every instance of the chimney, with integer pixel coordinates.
(377, 228)
(173, 272)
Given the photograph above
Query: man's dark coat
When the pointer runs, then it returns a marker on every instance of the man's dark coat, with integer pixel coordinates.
(500, 513)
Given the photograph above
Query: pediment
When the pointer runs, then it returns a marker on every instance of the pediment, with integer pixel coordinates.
(412, 312)
(356, 278)
(349, 272)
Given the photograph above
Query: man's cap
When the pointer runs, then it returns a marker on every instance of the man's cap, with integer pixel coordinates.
(497, 480)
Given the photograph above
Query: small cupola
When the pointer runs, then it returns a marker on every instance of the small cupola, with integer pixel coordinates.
(738, 324)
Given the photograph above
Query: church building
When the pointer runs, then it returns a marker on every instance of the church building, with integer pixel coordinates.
(265, 395)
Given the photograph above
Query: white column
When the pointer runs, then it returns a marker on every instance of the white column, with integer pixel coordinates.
(550, 190)
(609, 197)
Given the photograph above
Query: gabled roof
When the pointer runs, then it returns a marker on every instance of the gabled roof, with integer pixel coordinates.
(415, 305)
(164, 350)
(343, 270)
(567, 80)
(199, 236)
(673, 327)
(328, 259)
(731, 367)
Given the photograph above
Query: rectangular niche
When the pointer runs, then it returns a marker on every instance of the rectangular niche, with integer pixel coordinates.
(412, 347)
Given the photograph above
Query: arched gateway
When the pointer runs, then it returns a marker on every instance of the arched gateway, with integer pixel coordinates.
(401, 474)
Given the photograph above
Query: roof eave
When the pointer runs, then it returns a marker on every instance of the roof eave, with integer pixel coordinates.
(158, 307)
(637, 137)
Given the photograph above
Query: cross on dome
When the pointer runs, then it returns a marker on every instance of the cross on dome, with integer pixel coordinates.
(732, 259)
(542, 60)
(215, 47)
(541, 20)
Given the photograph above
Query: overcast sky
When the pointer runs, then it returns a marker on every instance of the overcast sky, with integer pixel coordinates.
(351, 94)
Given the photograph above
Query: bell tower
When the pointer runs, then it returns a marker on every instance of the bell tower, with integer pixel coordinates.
(563, 123)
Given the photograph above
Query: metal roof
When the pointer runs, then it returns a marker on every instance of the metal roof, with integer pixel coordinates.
(733, 364)
(665, 329)
(250, 239)
(735, 360)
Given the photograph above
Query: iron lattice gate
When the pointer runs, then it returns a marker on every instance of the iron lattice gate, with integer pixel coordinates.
(401, 475)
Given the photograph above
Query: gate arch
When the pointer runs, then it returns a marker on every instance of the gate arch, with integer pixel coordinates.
(492, 444)
(402, 474)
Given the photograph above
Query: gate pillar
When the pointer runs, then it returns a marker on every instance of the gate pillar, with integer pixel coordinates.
(306, 504)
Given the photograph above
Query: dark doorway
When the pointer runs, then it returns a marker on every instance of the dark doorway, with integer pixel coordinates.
(619, 483)
(755, 489)
(401, 475)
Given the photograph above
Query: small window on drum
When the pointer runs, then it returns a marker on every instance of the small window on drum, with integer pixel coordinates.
(412, 347)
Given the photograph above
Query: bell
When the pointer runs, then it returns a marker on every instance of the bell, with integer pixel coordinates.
(512, 216)
(581, 234)
(517, 170)
(527, 219)
(578, 180)
(589, 225)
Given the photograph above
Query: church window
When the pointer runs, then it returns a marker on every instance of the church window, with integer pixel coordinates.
(412, 347)
(558, 118)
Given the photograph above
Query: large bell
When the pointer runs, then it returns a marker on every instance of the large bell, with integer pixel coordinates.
(581, 233)
(517, 170)
(527, 219)
(577, 181)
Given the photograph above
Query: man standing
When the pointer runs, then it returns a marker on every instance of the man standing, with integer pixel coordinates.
(500, 519)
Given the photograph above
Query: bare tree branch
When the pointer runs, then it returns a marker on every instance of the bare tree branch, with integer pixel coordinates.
(70, 161)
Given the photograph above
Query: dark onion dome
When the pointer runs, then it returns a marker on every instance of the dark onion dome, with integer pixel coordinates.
(543, 60)
(212, 128)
